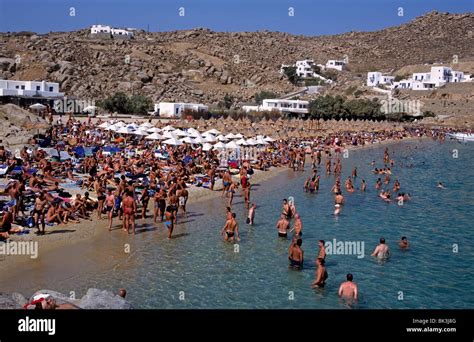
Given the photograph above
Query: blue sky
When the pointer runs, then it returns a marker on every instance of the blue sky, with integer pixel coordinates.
(311, 17)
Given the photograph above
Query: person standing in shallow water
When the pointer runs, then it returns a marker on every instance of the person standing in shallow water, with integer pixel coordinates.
(381, 251)
(169, 220)
(348, 289)
(295, 254)
(321, 274)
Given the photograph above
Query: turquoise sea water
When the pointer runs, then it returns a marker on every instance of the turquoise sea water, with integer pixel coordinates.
(198, 270)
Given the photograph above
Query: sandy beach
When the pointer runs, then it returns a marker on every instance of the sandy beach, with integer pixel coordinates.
(64, 236)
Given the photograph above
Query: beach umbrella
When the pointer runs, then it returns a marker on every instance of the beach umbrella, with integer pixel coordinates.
(172, 142)
(221, 138)
(37, 106)
(220, 145)
(268, 139)
(213, 131)
(188, 140)
(146, 125)
(124, 130)
(232, 145)
(251, 142)
(241, 142)
(112, 128)
(132, 126)
(153, 130)
(168, 128)
(154, 136)
(209, 138)
(199, 140)
(206, 147)
(260, 141)
(230, 136)
(120, 124)
(238, 136)
(103, 125)
(169, 135)
(140, 132)
(180, 133)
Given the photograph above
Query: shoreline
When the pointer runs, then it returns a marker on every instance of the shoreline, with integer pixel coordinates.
(68, 236)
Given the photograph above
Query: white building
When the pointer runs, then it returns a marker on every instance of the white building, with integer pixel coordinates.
(376, 78)
(284, 106)
(174, 109)
(304, 68)
(437, 77)
(106, 30)
(336, 64)
(29, 88)
(97, 29)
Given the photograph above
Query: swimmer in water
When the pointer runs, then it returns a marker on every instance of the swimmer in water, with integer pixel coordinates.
(403, 242)
(440, 185)
(348, 289)
(378, 184)
(381, 251)
(363, 186)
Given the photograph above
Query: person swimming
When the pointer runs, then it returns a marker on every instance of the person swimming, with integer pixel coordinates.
(440, 185)
(403, 243)
(381, 251)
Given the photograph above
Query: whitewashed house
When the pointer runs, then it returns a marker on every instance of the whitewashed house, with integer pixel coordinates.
(335, 64)
(121, 33)
(29, 88)
(175, 109)
(101, 29)
(107, 31)
(304, 68)
(376, 78)
(437, 77)
(283, 106)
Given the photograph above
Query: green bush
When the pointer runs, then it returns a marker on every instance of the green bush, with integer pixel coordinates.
(121, 103)
(263, 95)
(290, 72)
(337, 107)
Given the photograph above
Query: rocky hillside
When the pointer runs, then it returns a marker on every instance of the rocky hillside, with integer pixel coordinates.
(201, 65)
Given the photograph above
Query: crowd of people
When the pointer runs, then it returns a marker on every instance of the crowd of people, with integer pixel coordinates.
(123, 182)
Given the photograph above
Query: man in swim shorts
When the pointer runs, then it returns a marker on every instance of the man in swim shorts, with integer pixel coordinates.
(129, 207)
(283, 225)
(295, 254)
(321, 274)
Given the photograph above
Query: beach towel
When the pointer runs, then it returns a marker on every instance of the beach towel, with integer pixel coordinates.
(63, 155)
(79, 151)
(3, 169)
